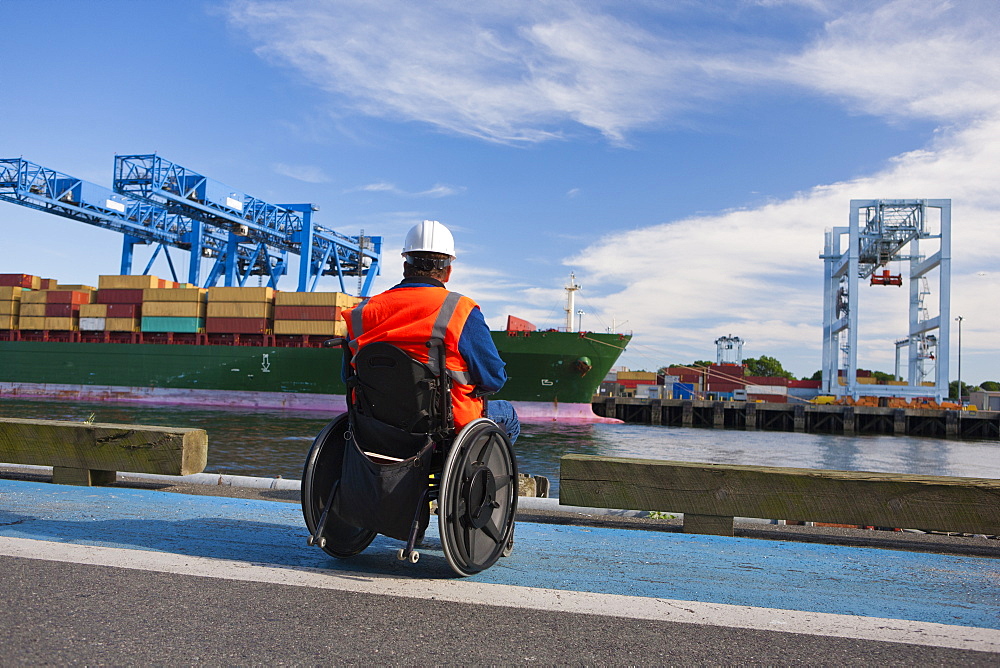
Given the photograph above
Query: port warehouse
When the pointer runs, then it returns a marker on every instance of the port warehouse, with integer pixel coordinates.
(148, 309)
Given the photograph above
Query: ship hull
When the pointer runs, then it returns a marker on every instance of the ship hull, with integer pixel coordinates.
(552, 375)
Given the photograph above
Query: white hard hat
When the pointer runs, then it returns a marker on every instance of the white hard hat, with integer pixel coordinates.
(430, 236)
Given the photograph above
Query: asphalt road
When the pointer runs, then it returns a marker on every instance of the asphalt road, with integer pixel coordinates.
(124, 576)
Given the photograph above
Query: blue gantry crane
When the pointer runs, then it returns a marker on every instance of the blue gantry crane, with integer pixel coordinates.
(272, 230)
(158, 202)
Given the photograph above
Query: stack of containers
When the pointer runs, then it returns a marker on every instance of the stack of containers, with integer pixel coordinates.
(10, 306)
(52, 309)
(240, 311)
(178, 310)
(311, 313)
(121, 300)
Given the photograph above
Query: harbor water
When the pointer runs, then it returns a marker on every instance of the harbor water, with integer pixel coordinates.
(275, 443)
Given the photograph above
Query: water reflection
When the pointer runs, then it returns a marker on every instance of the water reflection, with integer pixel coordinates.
(269, 443)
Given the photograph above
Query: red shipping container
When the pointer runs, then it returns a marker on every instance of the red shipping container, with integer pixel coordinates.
(61, 310)
(67, 297)
(49, 284)
(119, 296)
(307, 312)
(123, 310)
(237, 325)
(17, 280)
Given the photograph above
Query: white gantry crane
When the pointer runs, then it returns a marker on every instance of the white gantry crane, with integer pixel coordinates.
(913, 231)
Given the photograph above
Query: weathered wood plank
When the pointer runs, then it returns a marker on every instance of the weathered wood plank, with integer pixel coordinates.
(103, 447)
(844, 497)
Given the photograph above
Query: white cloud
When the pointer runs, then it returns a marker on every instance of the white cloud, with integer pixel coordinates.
(437, 190)
(307, 173)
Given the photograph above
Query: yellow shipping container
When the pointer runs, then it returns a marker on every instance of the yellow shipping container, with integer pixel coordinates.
(240, 309)
(636, 375)
(29, 310)
(8, 322)
(121, 324)
(10, 292)
(316, 327)
(127, 282)
(240, 294)
(11, 307)
(78, 288)
(175, 309)
(34, 297)
(62, 324)
(870, 380)
(32, 322)
(174, 294)
(315, 299)
(93, 310)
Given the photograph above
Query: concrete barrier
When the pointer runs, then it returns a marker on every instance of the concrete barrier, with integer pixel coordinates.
(83, 453)
(711, 495)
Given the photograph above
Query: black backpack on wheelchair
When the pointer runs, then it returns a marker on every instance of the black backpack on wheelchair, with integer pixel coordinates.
(378, 468)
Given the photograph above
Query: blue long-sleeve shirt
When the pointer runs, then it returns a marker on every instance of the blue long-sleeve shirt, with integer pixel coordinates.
(475, 344)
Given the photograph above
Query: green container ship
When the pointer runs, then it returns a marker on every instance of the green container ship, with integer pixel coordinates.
(552, 374)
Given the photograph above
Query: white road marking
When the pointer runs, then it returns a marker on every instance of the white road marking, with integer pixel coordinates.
(467, 591)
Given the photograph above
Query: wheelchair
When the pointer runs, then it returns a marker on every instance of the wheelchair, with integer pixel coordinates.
(380, 467)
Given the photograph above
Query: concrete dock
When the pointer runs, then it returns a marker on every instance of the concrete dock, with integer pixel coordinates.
(125, 575)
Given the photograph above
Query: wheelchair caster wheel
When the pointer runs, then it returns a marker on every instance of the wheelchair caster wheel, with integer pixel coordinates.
(309, 541)
(321, 542)
(401, 554)
(508, 548)
(414, 557)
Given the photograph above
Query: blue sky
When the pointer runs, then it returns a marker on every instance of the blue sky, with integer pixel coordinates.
(683, 158)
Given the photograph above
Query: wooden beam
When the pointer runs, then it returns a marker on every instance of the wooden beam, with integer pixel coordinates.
(82, 453)
(942, 503)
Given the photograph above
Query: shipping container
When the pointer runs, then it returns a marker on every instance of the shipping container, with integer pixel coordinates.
(62, 310)
(237, 325)
(32, 310)
(175, 295)
(34, 297)
(315, 327)
(637, 375)
(123, 310)
(315, 299)
(92, 324)
(240, 309)
(174, 309)
(127, 283)
(241, 294)
(119, 296)
(32, 321)
(10, 307)
(286, 312)
(10, 292)
(9, 322)
(61, 296)
(172, 324)
(21, 281)
(78, 288)
(67, 324)
(121, 324)
(94, 311)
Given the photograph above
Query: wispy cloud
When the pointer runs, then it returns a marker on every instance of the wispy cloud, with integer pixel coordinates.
(437, 190)
(307, 173)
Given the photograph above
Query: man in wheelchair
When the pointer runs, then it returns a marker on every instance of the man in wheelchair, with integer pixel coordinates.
(420, 309)
(418, 362)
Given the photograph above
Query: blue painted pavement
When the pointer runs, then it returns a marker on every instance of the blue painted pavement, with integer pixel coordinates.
(807, 577)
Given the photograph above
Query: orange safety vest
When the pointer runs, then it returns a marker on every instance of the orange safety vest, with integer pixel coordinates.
(410, 317)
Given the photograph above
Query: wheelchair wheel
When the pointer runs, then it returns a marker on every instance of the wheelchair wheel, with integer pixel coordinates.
(321, 473)
(478, 498)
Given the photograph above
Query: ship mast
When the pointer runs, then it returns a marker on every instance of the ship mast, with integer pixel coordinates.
(571, 301)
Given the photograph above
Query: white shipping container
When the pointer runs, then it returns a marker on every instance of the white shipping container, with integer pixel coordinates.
(92, 324)
(766, 389)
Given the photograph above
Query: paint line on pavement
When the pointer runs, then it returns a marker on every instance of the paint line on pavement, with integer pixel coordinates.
(466, 591)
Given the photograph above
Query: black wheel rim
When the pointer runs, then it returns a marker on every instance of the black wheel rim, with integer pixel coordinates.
(322, 471)
(478, 498)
